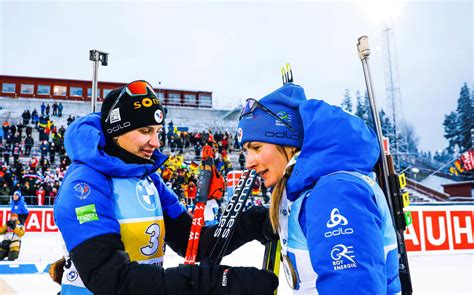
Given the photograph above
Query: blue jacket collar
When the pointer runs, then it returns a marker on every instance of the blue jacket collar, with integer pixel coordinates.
(334, 140)
(84, 141)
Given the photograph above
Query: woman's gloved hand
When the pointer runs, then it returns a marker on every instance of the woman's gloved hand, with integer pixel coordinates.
(255, 222)
(56, 270)
(219, 280)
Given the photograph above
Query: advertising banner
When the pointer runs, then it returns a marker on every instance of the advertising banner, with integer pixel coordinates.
(437, 227)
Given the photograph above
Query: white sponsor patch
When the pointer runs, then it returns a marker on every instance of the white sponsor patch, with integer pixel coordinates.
(336, 219)
(115, 116)
(343, 257)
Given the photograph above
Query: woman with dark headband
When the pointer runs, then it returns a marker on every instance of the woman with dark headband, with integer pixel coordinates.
(333, 221)
(116, 214)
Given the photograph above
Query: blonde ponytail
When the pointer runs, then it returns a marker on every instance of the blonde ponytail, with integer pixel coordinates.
(279, 188)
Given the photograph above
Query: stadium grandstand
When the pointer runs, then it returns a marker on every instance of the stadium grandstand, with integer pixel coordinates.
(35, 113)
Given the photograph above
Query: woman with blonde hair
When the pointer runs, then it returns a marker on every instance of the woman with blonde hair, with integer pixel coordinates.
(334, 224)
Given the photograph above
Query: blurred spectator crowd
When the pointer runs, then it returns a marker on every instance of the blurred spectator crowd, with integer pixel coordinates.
(33, 159)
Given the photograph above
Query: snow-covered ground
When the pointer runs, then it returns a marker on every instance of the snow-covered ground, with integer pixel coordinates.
(445, 273)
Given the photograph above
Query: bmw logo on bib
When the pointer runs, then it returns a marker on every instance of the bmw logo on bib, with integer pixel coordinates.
(146, 195)
(71, 276)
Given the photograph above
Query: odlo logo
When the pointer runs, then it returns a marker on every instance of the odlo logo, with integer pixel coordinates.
(283, 134)
(118, 127)
(335, 220)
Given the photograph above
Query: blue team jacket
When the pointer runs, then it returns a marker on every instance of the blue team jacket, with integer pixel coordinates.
(339, 212)
(19, 206)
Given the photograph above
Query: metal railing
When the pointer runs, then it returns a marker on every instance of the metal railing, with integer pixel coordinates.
(29, 199)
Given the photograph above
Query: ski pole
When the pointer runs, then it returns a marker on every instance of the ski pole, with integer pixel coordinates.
(210, 186)
(388, 179)
(231, 216)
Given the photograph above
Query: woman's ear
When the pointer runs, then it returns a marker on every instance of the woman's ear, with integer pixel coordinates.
(290, 152)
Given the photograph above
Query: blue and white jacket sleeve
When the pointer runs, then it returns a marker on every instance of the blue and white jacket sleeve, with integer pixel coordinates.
(345, 237)
(85, 207)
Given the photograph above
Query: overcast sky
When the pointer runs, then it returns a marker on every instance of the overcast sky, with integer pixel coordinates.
(236, 49)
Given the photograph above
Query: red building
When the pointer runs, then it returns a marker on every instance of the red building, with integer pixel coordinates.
(462, 190)
(81, 90)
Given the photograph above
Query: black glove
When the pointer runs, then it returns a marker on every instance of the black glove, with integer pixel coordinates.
(219, 280)
(5, 245)
(255, 222)
(11, 224)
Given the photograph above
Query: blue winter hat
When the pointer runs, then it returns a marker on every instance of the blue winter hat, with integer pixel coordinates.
(274, 119)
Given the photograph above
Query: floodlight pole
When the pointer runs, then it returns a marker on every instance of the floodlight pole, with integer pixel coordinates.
(96, 56)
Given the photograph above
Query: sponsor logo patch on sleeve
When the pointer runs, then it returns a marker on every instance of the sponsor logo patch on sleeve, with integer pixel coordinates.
(86, 213)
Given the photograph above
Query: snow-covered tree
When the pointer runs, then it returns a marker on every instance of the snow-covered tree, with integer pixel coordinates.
(387, 126)
(360, 106)
(346, 103)
(408, 133)
(452, 131)
(443, 156)
(458, 125)
(363, 108)
(465, 112)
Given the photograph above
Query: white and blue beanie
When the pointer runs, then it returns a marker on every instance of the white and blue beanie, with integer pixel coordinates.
(263, 127)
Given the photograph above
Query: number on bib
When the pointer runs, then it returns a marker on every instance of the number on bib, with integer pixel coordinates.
(154, 232)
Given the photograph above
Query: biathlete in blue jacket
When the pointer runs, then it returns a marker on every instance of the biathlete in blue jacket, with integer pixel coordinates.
(116, 214)
(334, 224)
(18, 206)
